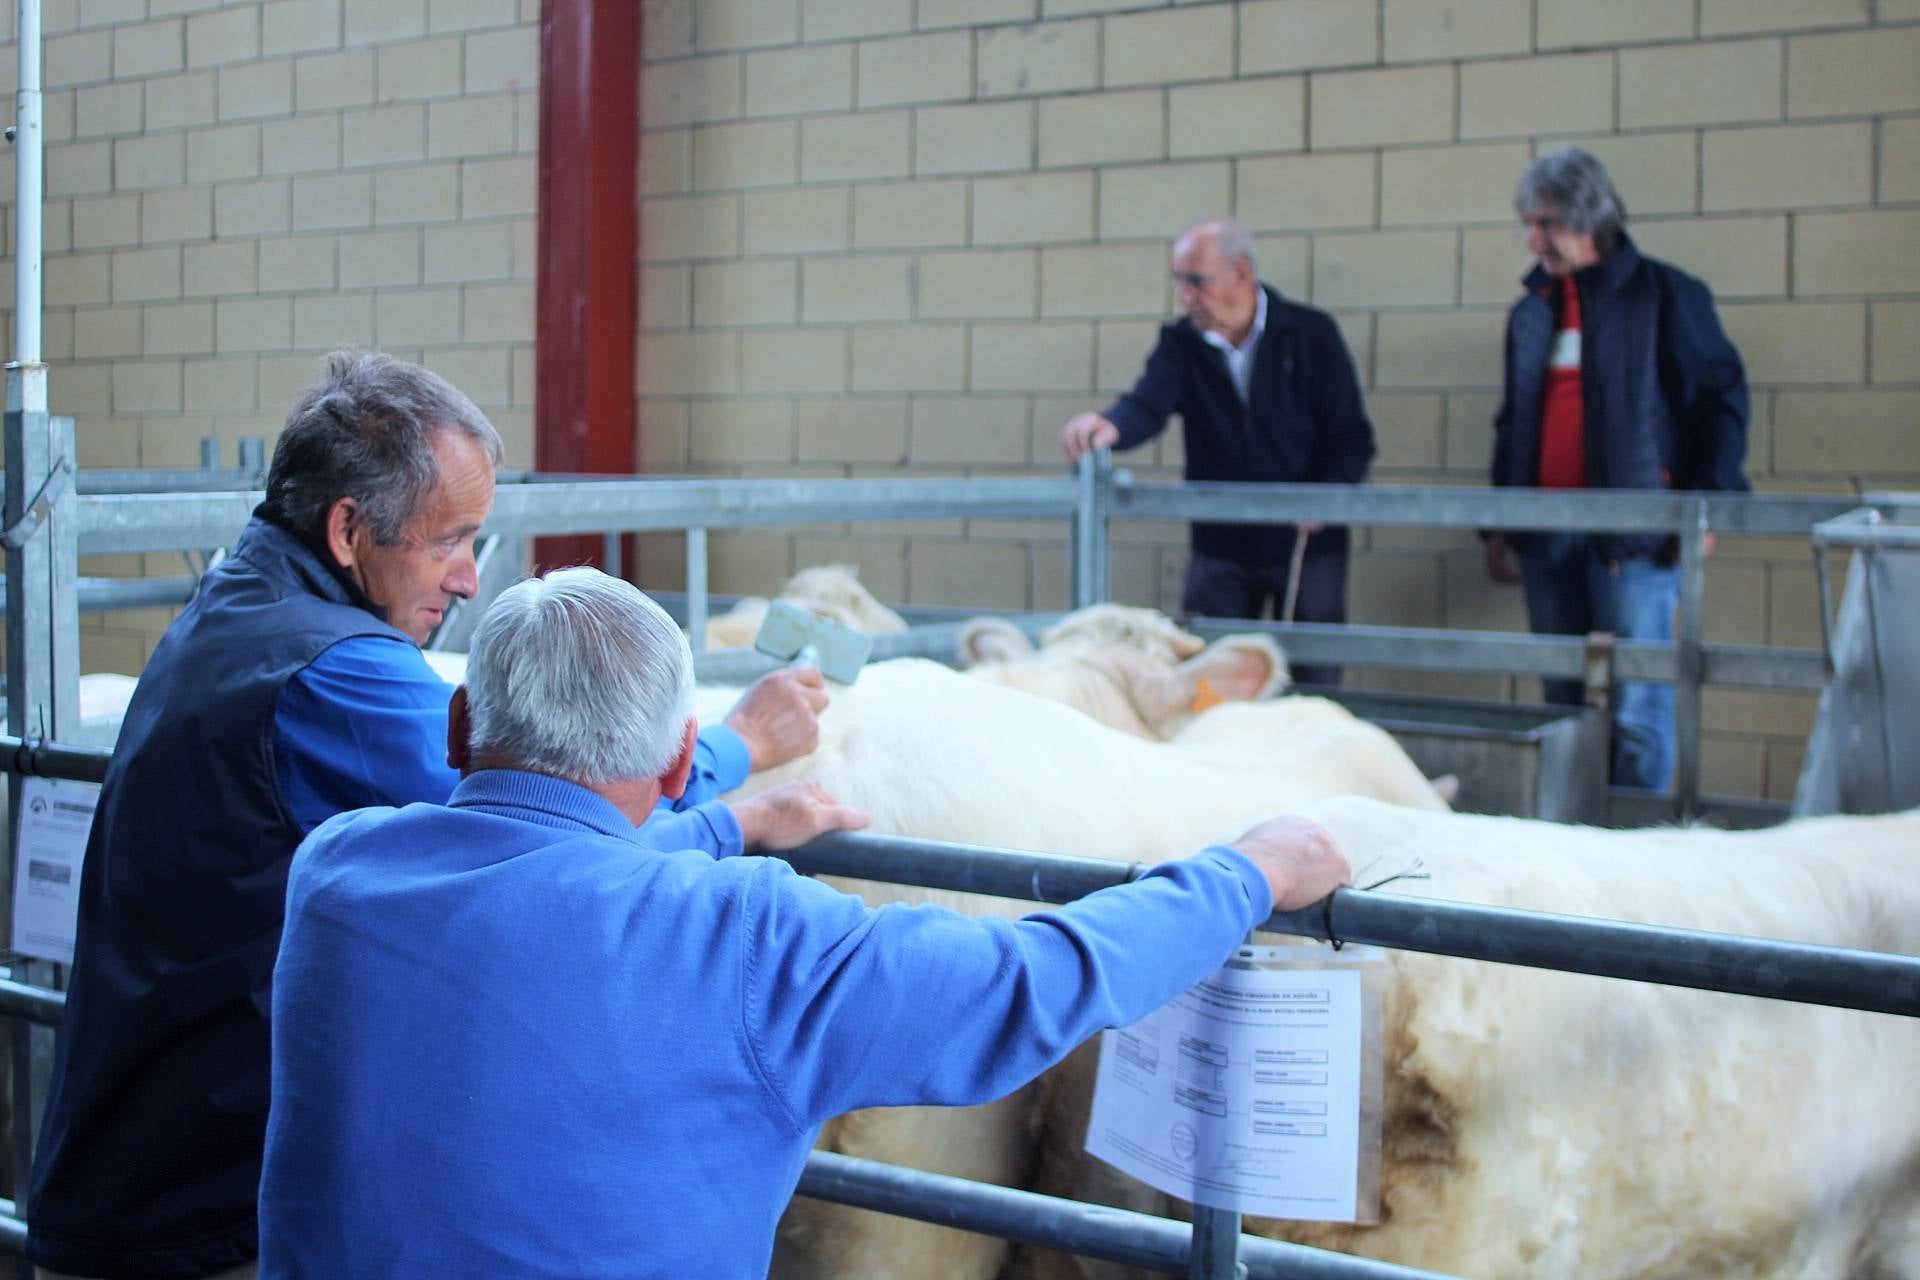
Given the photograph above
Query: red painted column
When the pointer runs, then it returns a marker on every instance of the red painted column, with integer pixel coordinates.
(585, 291)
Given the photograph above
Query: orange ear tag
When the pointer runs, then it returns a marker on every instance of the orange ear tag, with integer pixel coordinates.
(1204, 696)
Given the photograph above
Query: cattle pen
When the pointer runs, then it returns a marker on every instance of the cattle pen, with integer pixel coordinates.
(53, 517)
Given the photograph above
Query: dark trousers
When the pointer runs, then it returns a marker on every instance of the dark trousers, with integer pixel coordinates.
(1218, 588)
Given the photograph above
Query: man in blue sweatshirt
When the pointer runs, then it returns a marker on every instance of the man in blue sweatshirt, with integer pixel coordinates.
(291, 688)
(509, 1038)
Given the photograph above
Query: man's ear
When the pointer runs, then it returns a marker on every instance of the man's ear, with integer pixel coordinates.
(459, 725)
(673, 783)
(343, 518)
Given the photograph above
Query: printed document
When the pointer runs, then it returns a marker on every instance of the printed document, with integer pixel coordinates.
(55, 817)
(1244, 1093)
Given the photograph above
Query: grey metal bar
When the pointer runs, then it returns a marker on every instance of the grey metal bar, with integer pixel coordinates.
(1216, 1245)
(1092, 474)
(610, 554)
(1850, 979)
(1515, 653)
(52, 759)
(13, 1235)
(1096, 1231)
(1689, 629)
(938, 640)
(1613, 510)
(38, 1005)
(697, 607)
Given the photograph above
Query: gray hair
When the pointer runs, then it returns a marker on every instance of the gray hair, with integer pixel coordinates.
(1574, 184)
(1230, 238)
(579, 675)
(365, 431)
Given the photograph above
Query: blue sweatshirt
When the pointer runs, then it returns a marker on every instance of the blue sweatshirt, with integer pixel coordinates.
(511, 1039)
(366, 723)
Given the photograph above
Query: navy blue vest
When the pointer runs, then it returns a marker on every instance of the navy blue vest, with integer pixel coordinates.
(149, 1157)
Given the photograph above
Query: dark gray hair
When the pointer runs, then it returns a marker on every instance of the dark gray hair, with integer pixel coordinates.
(365, 431)
(580, 676)
(1575, 185)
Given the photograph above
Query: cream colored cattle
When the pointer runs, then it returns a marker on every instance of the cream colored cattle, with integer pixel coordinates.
(1129, 668)
(833, 591)
(1546, 1124)
(1134, 670)
(936, 754)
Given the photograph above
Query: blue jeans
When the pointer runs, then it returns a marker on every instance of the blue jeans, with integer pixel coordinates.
(1571, 589)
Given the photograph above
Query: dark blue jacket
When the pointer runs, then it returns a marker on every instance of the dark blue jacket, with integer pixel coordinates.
(1664, 393)
(1305, 420)
(149, 1157)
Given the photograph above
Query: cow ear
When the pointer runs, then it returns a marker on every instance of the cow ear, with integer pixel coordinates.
(991, 640)
(1243, 668)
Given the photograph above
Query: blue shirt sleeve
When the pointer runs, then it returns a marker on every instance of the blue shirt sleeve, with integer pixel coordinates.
(720, 763)
(364, 724)
(711, 828)
(847, 1006)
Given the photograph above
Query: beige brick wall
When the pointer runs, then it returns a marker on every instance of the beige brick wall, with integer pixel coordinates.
(235, 188)
(882, 237)
(914, 239)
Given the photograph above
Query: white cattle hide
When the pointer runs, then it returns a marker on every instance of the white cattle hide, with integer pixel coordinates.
(1547, 1124)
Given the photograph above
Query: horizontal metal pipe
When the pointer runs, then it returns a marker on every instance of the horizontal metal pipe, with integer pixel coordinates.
(1881, 537)
(1869, 980)
(1614, 510)
(34, 1004)
(1874, 981)
(1096, 1231)
(54, 759)
(171, 521)
(1511, 653)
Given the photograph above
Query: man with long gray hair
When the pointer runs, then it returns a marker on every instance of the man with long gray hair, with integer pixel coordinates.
(291, 688)
(511, 1039)
(1265, 390)
(1618, 376)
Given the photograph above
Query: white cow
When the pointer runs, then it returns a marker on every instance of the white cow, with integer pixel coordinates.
(1134, 670)
(1546, 1124)
(936, 754)
(1536, 1123)
(832, 590)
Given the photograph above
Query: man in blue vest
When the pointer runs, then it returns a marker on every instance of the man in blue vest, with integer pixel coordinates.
(442, 1106)
(291, 688)
(1618, 376)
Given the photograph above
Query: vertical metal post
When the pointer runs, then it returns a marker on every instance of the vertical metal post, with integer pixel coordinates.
(42, 629)
(252, 457)
(29, 141)
(1689, 628)
(697, 590)
(1094, 476)
(209, 453)
(1216, 1245)
(610, 554)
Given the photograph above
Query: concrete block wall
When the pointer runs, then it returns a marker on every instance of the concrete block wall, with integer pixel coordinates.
(913, 237)
(233, 189)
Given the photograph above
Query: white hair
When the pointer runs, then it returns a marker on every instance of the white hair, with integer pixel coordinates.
(581, 676)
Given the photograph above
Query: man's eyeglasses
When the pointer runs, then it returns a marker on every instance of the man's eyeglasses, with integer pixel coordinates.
(1191, 279)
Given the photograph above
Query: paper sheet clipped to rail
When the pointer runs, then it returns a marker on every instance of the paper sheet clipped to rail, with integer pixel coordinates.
(1256, 1090)
(55, 817)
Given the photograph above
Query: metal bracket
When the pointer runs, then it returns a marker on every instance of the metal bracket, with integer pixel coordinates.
(58, 481)
(1599, 668)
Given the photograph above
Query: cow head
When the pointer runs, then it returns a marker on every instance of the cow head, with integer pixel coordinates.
(1131, 669)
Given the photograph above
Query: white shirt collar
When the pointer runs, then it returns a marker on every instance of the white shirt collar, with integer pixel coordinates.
(1253, 335)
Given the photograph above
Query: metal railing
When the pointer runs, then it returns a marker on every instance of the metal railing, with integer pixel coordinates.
(1212, 1245)
(81, 523)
